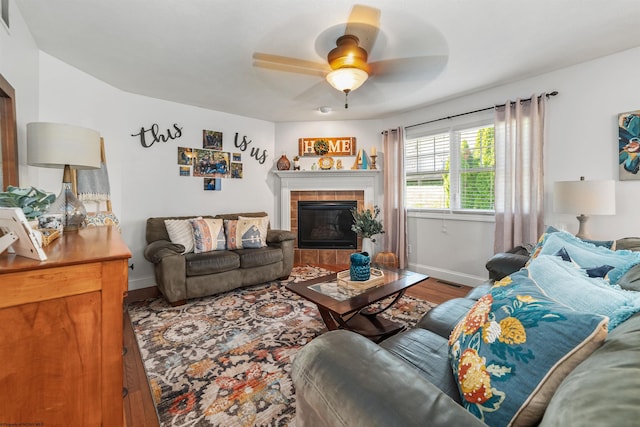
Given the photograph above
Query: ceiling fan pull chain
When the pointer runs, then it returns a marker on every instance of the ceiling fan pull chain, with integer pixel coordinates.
(346, 98)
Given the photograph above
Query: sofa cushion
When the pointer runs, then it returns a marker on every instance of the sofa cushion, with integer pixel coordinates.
(180, 232)
(604, 389)
(250, 258)
(208, 235)
(513, 349)
(211, 262)
(429, 354)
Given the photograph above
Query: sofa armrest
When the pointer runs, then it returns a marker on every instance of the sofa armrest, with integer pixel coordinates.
(503, 264)
(344, 379)
(278, 236)
(155, 251)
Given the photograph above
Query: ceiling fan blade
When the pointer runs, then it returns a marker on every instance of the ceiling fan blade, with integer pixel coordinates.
(292, 62)
(364, 23)
(288, 68)
(408, 69)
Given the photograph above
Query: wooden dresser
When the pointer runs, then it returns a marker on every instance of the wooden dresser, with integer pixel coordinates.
(61, 332)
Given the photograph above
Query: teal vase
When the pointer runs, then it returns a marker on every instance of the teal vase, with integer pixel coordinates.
(360, 269)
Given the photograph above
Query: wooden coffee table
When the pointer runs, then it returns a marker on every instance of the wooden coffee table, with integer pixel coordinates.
(348, 309)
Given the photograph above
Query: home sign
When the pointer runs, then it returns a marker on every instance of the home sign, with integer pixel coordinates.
(338, 146)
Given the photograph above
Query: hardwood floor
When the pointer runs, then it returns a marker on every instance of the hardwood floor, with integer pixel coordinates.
(139, 410)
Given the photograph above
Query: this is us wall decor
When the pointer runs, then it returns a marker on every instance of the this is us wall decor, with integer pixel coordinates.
(210, 162)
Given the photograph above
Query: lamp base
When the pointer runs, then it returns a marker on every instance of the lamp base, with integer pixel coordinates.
(582, 230)
(72, 210)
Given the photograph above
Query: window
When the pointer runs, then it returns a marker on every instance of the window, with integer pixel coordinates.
(451, 169)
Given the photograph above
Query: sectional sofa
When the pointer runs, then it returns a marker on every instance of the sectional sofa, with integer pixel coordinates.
(542, 343)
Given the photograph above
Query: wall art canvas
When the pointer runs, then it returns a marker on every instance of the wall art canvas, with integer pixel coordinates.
(185, 170)
(212, 140)
(629, 145)
(185, 155)
(236, 170)
(237, 157)
(212, 184)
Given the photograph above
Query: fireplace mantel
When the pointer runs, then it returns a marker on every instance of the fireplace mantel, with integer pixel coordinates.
(325, 180)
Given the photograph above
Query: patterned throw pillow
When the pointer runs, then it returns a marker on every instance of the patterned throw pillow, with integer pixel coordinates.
(180, 232)
(244, 233)
(208, 235)
(264, 226)
(513, 349)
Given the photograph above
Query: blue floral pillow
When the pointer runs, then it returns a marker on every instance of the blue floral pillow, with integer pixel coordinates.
(587, 254)
(514, 347)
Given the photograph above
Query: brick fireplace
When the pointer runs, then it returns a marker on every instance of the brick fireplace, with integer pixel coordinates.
(322, 256)
(334, 185)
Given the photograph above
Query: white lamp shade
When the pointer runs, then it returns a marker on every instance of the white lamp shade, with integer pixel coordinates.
(347, 79)
(54, 145)
(585, 197)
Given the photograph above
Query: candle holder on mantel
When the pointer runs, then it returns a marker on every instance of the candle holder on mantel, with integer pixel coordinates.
(373, 161)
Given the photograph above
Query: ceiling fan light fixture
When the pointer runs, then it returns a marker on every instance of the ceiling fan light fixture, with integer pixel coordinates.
(347, 79)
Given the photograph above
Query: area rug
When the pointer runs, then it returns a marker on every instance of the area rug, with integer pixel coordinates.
(225, 360)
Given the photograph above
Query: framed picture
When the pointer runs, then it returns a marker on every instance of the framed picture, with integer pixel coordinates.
(236, 170)
(212, 140)
(212, 184)
(185, 170)
(629, 145)
(185, 155)
(17, 233)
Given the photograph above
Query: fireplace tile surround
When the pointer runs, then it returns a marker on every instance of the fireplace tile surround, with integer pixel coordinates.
(359, 185)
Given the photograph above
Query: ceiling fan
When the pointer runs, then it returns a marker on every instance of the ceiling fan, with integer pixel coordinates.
(347, 67)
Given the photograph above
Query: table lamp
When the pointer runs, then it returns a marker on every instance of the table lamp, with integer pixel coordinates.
(54, 145)
(585, 198)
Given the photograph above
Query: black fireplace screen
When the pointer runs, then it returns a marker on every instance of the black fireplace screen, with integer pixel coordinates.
(326, 225)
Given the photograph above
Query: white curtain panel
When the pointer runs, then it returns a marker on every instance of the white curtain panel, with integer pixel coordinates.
(519, 184)
(394, 211)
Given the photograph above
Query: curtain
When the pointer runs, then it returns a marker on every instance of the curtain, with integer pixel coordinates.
(519, 184)
(395, 214)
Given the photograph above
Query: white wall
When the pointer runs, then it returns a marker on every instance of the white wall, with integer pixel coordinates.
(19, 66)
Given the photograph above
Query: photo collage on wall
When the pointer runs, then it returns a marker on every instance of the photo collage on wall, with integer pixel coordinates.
(210, 162)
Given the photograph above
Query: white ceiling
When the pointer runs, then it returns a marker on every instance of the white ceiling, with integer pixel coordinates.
(199, 52)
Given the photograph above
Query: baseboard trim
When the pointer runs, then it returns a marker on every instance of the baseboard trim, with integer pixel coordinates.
(142, 294)
(448, 275)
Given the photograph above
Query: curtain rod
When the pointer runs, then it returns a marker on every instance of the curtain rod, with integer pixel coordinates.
(554, 93)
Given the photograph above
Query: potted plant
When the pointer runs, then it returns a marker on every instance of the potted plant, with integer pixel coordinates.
(366, 225)
(32, 201)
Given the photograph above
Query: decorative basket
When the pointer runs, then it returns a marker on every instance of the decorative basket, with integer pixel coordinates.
(360, 269)
(48, 235)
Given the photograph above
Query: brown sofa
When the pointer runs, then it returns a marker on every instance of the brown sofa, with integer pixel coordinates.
(192, 275)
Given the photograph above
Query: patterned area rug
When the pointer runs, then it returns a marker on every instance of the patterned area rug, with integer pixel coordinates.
(225, 360)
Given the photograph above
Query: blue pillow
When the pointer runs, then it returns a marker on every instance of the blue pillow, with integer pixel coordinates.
(514, 347)
(588, 255)
(599, 271)
(564, 283)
